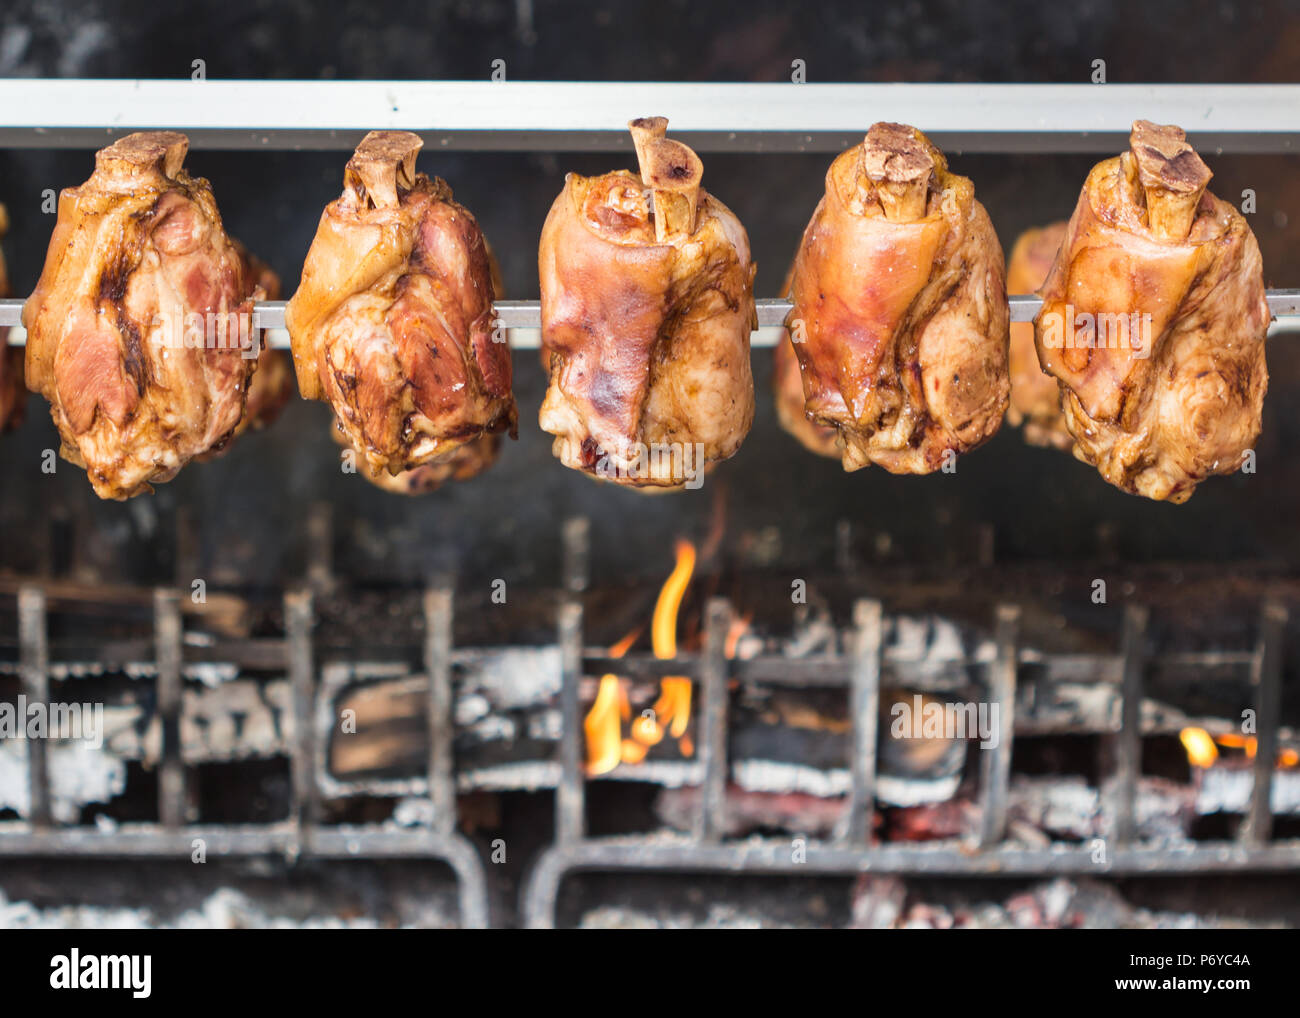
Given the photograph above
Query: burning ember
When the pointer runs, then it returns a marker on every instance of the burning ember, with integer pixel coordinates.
(671, 713)
(1203, 748)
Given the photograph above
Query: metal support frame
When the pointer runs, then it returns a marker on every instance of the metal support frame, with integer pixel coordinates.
(33, 639)
(437, 665)
(302, 834)
(1128, 745)
(850, 851)
(995, 761)
(1257, 826)
(172, 798)
(711, 819)
(861, 671)
(571, 792)
(864, 707)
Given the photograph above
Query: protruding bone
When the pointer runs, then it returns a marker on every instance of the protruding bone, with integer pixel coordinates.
(1172, 176)
(900, 161)
(142, 155)
(383, 165)
(672, 171)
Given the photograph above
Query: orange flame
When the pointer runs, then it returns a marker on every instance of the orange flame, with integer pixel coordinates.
(663, 629)
(739, 627)
(1203, 749)
(602, 725)
(606, 748)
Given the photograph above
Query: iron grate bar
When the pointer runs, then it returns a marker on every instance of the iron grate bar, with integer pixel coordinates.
(1257, 826)
(437, 664)
(571, 793)
(995, 764)
(864, 710)
(710, 822)
(168, 637)
(34, 648)
(1128, 749)
(298, 620)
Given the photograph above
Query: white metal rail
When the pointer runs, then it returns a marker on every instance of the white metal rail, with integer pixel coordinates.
(568, 116)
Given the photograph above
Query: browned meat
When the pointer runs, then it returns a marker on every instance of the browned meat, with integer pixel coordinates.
(13, 394)
(1153, 322)
(138, 328)
(1035, 397)
(787, 384)
(787, 387)
(272, 384)
(392, 323)
(647, 308)
(467, 461)
(269, 391)
(900, 299)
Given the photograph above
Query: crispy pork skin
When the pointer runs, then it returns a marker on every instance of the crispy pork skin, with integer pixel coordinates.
(13, 394)
(392, 323)
(900, 314)
(787, 389)
(1153, 322)
(787, 386)
(466, 462)
(647, 309)
(1035, 396)
(139, 330)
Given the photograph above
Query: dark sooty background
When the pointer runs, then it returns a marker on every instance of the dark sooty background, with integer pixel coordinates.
(251, 504)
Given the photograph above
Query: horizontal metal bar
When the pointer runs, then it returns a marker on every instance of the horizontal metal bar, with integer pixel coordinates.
(524, 316)
(132, 841)
(592, 116)
(663, 852)
(774, 856)
(816, 671)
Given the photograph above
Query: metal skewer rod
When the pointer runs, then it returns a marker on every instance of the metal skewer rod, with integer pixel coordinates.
(526, 315)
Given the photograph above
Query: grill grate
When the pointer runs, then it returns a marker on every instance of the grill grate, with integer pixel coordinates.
(850, 851)
(861, 670)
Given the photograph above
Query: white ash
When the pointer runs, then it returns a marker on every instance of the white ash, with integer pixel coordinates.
(526, 776)
(412, 811)
(235, 720)
(665, 773)
(900, 791)
(814, 631)
(932, 644)
(80, 774)
(774, 776)
(1056, 904)
(1070, 807)
(471, 708)
(225, 909)
(514, 677)
(722, 916)
(1221, 789)
(546, 725)
(494, 728)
